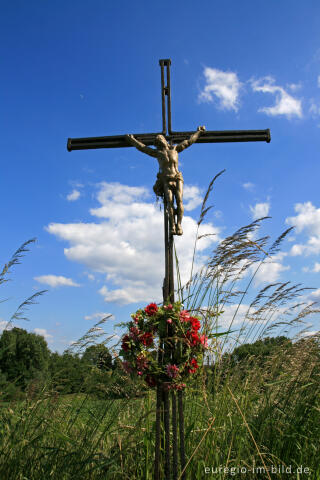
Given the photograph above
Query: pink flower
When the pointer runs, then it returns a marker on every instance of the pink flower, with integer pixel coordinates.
(168, 307)
(180, 386)
(184, 316)
(169, 320)
(204, 341)
(167, 386)
(172, 371)
(140, 373)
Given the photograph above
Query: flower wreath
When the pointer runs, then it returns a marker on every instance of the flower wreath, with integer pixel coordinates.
(163, 345)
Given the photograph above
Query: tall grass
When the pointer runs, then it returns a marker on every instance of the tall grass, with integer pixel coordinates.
(249, 415)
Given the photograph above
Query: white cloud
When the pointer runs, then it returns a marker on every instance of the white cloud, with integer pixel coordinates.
(224, 85)
(218, 213)
(128, 243)
(43, 332)
(74, 195)
(315, 269)
(285, 104)
(194, 197)
(294, 86)
(3, 325)
(248, 186)
(233, 316)
(270, 270)
(260, 210)
(99, 316)
(314, 108)
(315, 295)
(307, 220)
(56, 281)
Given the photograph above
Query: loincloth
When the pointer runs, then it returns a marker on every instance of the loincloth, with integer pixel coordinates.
(170, 180)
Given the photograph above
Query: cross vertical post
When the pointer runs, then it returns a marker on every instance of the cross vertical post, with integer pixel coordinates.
(168, 296)
(168, 285)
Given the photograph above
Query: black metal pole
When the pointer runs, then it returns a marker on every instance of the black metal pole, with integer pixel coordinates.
(167, 469)
(163, 98)
(181, 433)
(168, 93)
(157, 453)
(174, 437)
(168, 295)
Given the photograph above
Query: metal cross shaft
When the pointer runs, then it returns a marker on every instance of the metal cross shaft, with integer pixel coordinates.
(210, 136)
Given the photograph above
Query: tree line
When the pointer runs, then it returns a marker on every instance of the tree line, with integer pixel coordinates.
(27, 365)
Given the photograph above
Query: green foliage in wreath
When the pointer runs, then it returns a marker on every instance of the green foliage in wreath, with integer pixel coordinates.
(163, 345)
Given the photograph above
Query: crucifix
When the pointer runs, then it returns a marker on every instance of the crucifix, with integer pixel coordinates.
(169, 186)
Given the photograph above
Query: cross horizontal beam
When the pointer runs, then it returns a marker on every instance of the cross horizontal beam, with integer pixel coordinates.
(211, 136)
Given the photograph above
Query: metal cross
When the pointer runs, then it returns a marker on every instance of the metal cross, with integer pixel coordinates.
(120, 141)
(211, 136)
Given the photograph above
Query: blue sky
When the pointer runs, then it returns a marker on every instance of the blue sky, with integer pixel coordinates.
(75, 69)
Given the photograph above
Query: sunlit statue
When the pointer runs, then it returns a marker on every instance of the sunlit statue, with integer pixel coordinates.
(169, 184)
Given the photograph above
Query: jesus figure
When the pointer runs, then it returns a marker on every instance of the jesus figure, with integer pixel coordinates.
(169, 184)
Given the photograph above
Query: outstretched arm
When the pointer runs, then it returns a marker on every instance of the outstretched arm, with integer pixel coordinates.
(187, 143)
(141, 146)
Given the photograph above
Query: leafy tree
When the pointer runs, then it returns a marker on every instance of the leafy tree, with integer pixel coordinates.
(67, 372)
(249, 357)
(258, 351)
(23, 356)
(98, 356)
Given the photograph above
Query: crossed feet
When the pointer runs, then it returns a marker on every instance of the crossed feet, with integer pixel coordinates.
(176, 230)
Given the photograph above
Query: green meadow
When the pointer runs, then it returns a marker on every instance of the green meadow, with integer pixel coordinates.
(251, 411)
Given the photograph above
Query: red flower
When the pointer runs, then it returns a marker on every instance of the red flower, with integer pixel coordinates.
(151, 309)
(195, 323)
(134, 332)
(126, 343)
(193, 338)
(147, 339)
(193, 365)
